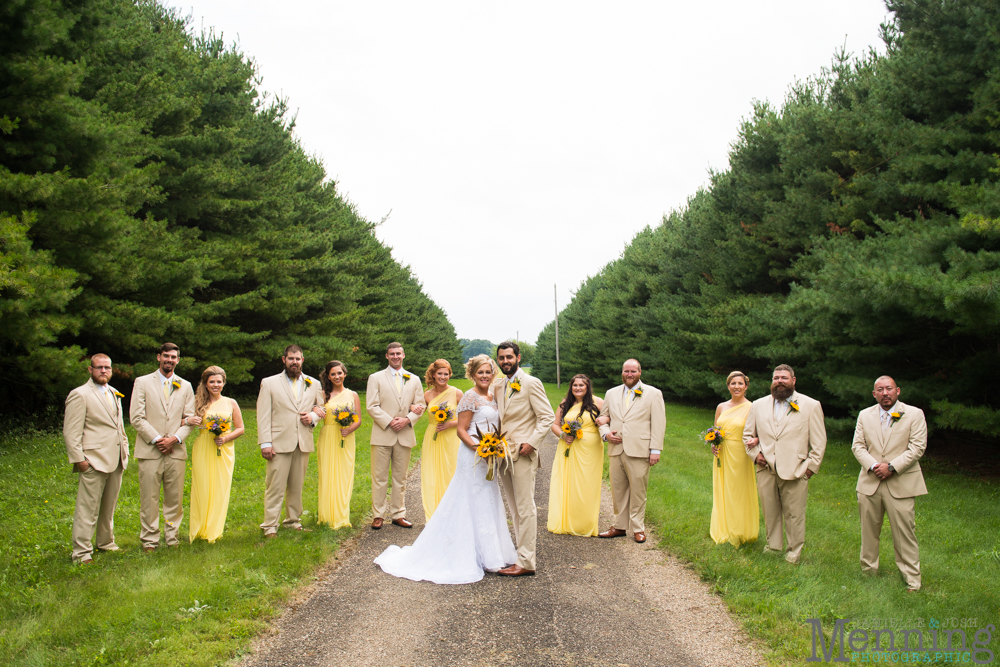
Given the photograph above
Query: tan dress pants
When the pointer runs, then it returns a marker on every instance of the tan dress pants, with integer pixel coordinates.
(285, 476)
(398, 457)
(96, 498)
(629, 482)
(784, 502)
(154, 473)
(518, 482)
(902, 522)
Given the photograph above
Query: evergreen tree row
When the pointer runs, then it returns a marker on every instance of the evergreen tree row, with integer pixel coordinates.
(856, 233)
(149, 192)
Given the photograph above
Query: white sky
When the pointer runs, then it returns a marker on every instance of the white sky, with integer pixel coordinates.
(522, 145)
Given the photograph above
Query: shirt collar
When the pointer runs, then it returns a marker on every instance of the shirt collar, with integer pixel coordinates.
(883, 411)
(164, 378)
(291, 381)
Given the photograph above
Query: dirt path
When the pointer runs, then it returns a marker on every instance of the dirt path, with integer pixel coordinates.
(593, 602)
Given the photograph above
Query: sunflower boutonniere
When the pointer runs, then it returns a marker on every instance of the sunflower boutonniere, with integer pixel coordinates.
(895, 417)
(307, 380)
(515, 386)
(176, 384)
(794, 406)
(638, 392)
(117, 393)
(406, 376)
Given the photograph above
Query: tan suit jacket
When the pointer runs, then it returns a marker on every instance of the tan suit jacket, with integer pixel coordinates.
(641, 427)
(901, 446)
(526, 415)
(384, 404)
(795, 444)
(278, 413)
(152, 414)
(94, 430)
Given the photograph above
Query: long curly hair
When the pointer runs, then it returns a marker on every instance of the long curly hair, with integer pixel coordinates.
(202, 399)
(324, 377)
(587, 401)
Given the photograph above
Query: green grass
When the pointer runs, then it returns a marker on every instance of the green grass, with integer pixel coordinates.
(139, 609)
(958, 528)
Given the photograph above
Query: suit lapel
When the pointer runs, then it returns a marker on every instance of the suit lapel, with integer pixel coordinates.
(101, 393)
(288, 390)
(791, 414)
(392, 386)
(635, 399)
(164, 401)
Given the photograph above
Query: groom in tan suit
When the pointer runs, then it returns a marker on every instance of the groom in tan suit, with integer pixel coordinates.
(889, 440)
(285, 421)
(395, 401)
(786, 437)
(161, 402)
(94, 431)
(526, 417)
(633, 421)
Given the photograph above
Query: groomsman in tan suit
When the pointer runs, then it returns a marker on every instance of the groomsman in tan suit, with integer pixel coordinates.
(526, 417)
(94, 431)
(285, 421)
(888, 442)
(395, 401)
(161, 402)
(786, 436)
(633, 421)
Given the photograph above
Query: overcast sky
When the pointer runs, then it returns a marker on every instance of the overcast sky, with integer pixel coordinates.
(517, 146)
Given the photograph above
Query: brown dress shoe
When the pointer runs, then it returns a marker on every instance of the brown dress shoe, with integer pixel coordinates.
(376, 523)
(304, 530)
(148, 549)
(515, 570)
(270, 536)
(402, 523)
(612, 532)
(640, 537)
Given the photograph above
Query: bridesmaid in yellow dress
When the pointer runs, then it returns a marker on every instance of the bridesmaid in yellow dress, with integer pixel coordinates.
(212, 456)
(335, 449)
(438, 456)
(735, 508)
(575, 487)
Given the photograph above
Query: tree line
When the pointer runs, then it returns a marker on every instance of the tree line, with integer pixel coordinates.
(150, 192)
(855, 233)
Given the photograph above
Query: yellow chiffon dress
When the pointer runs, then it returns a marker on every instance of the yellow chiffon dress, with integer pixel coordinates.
(438, 458)
(336, 465)
(211, 478)
(735, 508)
(575, 487)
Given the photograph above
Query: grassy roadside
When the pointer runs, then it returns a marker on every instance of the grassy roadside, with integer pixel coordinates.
(131, 608)
(958, 528)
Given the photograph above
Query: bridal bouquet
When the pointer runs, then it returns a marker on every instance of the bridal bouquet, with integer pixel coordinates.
(218, 425)
(345, 416)
(573, 429)
(441, 413)
(493, 448)
(713, 436)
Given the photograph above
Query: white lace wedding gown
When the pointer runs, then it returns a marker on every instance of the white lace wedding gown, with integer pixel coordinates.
(468, 532)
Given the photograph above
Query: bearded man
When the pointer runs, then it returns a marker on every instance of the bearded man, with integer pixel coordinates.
(786, 437)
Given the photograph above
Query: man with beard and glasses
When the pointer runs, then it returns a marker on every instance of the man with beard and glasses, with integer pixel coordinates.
(525, 416)
(786, 437)
(94, 431)
(161, 403)
(288, 407)
(889, 440)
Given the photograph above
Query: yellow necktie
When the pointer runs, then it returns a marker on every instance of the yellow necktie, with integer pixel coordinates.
(399, 383)
(111, 398)
(295, 387)
(628, 399)
(166, 389)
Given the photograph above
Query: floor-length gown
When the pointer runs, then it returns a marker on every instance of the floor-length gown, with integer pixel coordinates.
(211, 478)
(335, 465)
(575, 488)
(468, 533)
(735, 508)
(438, 457)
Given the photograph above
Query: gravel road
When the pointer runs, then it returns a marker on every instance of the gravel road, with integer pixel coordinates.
(593, 602)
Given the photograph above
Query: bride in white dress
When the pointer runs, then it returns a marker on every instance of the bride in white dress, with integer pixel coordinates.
(468, 532)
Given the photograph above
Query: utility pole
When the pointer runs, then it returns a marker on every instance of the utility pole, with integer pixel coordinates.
(555, 301)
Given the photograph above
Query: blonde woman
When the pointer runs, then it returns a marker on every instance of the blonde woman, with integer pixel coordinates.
(335, 448)
(735, 508)
(439, 452)
(213, 456)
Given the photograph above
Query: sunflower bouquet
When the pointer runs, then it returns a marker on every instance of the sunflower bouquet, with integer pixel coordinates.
(441, 413)
(492, 447)
(574, 429)
(713, 437)
(218, 425)
(345, 416)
